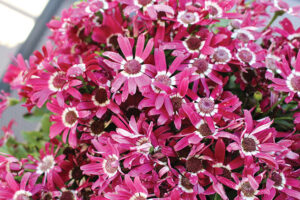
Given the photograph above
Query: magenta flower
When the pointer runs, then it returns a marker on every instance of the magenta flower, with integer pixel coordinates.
(291, 79)
(8, 132)
(100, 101)
(131, 70)
(19, 191)
(49, 166)
(4, 104)
(133, 190)
(105, 167)
(66, 121)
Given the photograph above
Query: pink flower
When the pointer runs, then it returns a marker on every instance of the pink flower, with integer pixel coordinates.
(290, 81)
(129, 190)
(106, 167)
(8, 132)
(289, 33)
(67, 119)
(23, 190)
(132, 71)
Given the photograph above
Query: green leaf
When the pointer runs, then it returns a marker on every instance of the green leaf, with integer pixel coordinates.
(45, 124)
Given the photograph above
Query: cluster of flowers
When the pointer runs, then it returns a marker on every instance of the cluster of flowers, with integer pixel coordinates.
(157, 99)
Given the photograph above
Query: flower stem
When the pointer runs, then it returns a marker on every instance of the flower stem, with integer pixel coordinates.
(276, 14)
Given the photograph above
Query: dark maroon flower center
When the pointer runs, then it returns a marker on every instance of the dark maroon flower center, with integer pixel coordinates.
(221, 55)
(110, 165)
(144, 2)
(176, 103)
(97, 127)
(183, 153)
(113, 40)
(249, 144)
(243, 37)
(201, 65)
(67, 195)
(226, 173)
(188, 18)
(193, 43)
(276, 178)
(245, 55)
(101, 96)
(76, 173)
(295, 82)
(213, 10)
(164, 79)
(204, 130)
(248, 75)
(47, 196)
(194, 164)
(132, 67)
(247, 190)
(206, 105)
(186, 183)
(59, 81)
(71, 117)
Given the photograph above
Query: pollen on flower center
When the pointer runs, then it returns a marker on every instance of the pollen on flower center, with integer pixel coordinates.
(279, 180)
(246, 56)
(193, 43)
(201, 65)
(247, 190)
(164, 79)
(221, 55)
(204, 130)
(176, 103)
(132, 67)
(69, 117)
(22, 195)
(206, 106)
(185, 184)
(57, 81)
(46, 164)
(100, 97)
(194, 164)
(249, 144)
(139, 196)
(97, 127)
(67, 195)
(214, 9)
(188, 17)
(110, 165)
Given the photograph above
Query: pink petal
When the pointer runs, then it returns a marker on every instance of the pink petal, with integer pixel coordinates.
(140, 46)
(148, 49)
(125, 46)
(114, 56)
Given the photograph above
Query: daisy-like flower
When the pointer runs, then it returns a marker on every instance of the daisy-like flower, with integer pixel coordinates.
(151, 6)
(187, 18)
(24, 190)
(256, 140)
(100, 101)
(218, 8)
(248, 186)
(222, 55)
(131, 70)
(52, 81)
(132, 190)
(49, 166)
(288, 31)
(291, 79)
(105, 167)
(133, 140)
(202, 68)
(66, 118)
(283, 182)
(250, 54)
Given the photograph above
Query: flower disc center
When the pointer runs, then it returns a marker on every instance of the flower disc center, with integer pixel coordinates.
(193, 43)
(206, 105)
(144, 2)
(247, 190)
(276, 177)
(243, 37)
(111, 165)
(188, 18)
(204, 130)
(295, 83)
(97, 127)
(248, 144)
(176, 103)
(245, 56)
(221, 55)
(194, 164)
(67, 195)
(100, 96)
(71, 117)
(201, 65)
(132, 67)
(46, 164)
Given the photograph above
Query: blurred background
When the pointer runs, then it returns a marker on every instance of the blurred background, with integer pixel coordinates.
(23, 30)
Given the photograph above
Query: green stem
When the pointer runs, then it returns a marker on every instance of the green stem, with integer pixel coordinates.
(276, 104)
(276, 14)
